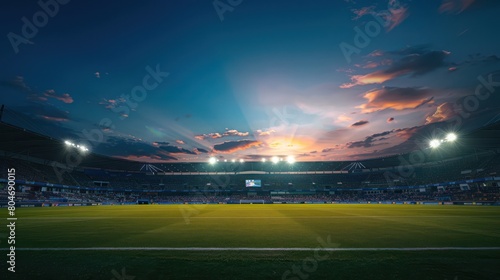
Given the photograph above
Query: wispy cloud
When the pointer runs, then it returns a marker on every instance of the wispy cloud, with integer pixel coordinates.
(47, 113)
(227, 133)
(132, 148)
(233, 146)
(343, 118)
(413, 64)
(455, 6)
(398, 13)
(358, 13)
(395, 14)
(369, 141)
(337, 147)
(111, 103)
(265, 132)
(54, 119)
(65, 97)
(19, 83)
(16, 83)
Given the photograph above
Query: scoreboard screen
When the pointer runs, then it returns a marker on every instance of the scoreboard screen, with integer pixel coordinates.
(253, 183)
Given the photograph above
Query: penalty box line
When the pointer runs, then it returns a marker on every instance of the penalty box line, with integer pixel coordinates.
(255, 249)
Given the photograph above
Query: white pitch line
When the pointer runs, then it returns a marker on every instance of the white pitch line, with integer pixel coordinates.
(257, 217)
(255, 249)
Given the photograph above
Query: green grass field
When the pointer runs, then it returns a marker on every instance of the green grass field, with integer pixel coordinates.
(347, 227)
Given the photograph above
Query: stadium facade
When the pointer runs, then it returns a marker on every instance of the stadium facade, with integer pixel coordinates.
(50, 174)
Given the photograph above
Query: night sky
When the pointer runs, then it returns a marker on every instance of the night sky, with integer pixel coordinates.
(237, 79)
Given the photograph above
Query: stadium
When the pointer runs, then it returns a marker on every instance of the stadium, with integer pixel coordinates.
(246, 140)
(443, 208)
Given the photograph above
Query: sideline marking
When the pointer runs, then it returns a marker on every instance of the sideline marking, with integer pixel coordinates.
(254, 249)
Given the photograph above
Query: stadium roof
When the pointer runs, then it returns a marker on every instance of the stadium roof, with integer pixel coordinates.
(15, 142)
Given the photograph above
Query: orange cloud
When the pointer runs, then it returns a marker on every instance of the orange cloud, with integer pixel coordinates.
(395, 98)
(65, 97)
(443, 112)
(376, 77)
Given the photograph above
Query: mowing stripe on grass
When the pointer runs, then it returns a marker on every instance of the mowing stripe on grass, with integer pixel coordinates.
(254, 249)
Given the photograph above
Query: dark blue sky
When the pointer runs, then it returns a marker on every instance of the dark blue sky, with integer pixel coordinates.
(186, 80)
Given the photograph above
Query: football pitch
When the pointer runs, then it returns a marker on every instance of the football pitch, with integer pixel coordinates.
(258, 241)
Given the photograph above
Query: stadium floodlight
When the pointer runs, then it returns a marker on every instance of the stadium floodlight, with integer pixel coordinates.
(435, 143)
(290, 159)
(242, 160)
(451, 137)
(212, 160)
(83, 148)
(263, 159)
(233, 160)
(275, 159)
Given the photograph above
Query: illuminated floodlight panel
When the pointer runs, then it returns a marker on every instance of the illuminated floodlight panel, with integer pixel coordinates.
(290, 159)
(275, 159)
(434, 143)
(70, 144)
(451, 137)
(212, 160)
